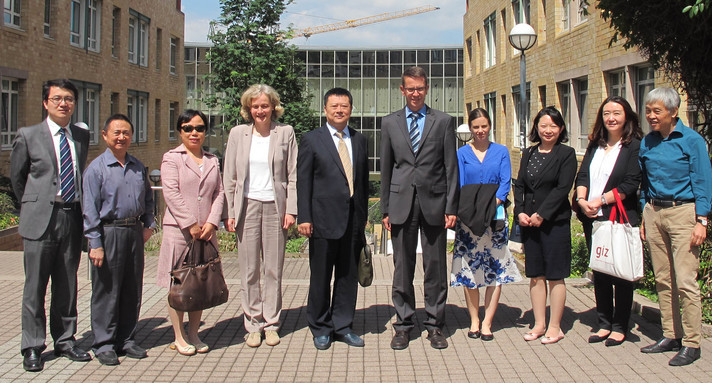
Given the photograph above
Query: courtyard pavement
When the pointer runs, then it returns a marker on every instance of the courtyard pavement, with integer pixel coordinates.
(508, 358)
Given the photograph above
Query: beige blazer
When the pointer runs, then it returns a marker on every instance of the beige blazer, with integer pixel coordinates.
(283, 160)
(191, 196)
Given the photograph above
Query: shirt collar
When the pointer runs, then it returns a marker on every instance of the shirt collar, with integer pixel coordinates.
(422, 111)
(54, 128)
(332, 131)
(111, 159)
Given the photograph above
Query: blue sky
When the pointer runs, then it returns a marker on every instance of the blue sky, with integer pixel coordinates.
(440, 27)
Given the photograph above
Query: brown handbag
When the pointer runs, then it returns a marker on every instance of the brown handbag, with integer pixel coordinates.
(198, 282)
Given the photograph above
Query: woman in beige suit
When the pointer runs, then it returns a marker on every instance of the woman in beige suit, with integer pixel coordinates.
(194, 197)
(260, 185)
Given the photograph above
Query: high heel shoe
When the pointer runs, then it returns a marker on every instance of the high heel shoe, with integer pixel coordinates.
(552, 340)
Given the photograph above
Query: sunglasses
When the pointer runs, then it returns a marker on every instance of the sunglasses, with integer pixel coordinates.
(190, 128)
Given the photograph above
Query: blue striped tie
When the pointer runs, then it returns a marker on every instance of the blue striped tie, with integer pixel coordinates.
(414, 132)
(66, 168)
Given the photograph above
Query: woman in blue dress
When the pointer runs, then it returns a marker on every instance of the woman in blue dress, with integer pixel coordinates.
(481, 257)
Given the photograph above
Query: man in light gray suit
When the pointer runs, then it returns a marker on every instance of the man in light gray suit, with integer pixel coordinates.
(47, 162)
(419, 191)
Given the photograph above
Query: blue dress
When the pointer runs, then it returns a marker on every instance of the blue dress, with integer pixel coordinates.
(480, 261)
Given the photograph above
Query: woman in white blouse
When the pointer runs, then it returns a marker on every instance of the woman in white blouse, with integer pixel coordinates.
(610, 162)
(260, 186)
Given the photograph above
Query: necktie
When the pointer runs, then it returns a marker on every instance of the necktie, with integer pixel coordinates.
(66, 168)
(414, 132)
(346, 162)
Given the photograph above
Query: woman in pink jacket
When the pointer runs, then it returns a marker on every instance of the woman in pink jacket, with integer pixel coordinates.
(193, 191)
(260, 188)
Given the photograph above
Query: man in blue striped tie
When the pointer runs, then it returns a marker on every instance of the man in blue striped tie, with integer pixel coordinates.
(46, 164)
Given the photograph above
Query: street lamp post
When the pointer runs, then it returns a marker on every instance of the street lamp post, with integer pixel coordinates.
(463, 133)
(155, 177)
(522, 37)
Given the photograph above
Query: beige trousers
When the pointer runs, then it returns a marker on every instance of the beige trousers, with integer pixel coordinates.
(675, 263)
(260, 249)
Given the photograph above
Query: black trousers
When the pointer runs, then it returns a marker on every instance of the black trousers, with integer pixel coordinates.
(116, 289)
(329, 313)
(612, 305)
(435, 284)
(54, 255)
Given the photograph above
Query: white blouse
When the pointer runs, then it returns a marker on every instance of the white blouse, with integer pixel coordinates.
(600, 170)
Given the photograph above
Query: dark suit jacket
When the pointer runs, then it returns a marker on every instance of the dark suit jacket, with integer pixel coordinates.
(548, 193)
(625, 176)
(432, 173)
(34, 174)
(322, 188)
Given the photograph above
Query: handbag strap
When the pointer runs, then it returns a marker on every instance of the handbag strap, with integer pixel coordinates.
(618, 213)
(187, 256)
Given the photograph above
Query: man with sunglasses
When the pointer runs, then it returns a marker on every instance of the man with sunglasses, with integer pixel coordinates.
(46, 167)
(118, 220)
(419, 192)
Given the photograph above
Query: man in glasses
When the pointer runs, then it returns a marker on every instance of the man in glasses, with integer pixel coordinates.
(419, 192)
(46, 164)
(118, 220)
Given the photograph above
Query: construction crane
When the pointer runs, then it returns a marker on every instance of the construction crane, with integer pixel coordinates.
(307, 32)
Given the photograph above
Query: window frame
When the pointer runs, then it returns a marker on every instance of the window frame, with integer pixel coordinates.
(85, 24)
(490, 31)
(12, 16)
(9, 110)
(137, 111)
(139, 36)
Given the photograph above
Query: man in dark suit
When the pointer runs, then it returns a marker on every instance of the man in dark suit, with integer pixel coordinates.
(419, 192)
(47, 162)
(332, 199)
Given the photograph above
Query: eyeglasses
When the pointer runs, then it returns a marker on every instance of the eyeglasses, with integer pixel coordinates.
(190, 128)
(413, 90)
(56, 100)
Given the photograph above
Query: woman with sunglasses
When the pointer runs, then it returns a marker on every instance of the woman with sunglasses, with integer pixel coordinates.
(260, 186)
(194, 197)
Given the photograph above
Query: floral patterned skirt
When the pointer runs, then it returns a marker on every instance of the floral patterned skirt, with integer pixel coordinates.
(482, 261)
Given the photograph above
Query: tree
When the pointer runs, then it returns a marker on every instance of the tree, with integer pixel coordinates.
(249, 48)
(671, 41)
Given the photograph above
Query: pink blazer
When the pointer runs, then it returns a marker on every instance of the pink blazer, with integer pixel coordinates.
(283, 160)
(191, 196)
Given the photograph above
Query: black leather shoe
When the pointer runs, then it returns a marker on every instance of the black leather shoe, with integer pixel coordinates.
(322, 342)
(437, 339)
(74, 354)
(685, 356)
(351, 339)
(107, 358)
(664, 344)
(32, 360)
(487, 337)
(597, 339)
(400, 340)
(134, 351)
(474, 334)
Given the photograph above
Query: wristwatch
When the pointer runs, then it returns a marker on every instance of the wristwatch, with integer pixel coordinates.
(702, 221)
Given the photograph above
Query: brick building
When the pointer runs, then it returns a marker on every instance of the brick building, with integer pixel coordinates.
(125, 56)
(571, 66)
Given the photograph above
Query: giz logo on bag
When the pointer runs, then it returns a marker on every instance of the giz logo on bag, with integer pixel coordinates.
(601, 252)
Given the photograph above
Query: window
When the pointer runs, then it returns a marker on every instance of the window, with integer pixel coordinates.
(520, 140)
(172, 118)
(85, 24)
(173, 53)
(138, 38)
(564, 90)
(491, 108)
(114, 103)
(190, 55)
(157, 121)
(87, 108)
(520, 10)
(581, 93)
(8, 110)
(644, 83)
(468, 53)
(574, 12)
(115, 28)
(137, 104)
(11, 14)
(47, 18)
(159, 45)
(190, 86)
(490, 40)
(616, 83)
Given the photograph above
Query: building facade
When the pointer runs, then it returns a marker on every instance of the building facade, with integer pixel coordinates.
(571, 66)
(373, 76)
(123, 55)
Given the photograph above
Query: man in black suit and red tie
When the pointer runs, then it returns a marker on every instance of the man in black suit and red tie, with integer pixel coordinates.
(46, 166)
(332, 201)
(419, 192)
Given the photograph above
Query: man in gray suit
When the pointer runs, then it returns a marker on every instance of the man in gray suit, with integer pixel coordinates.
(419, 192)
(47, 162)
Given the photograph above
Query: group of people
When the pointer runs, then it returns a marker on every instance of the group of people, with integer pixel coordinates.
(427, 187)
